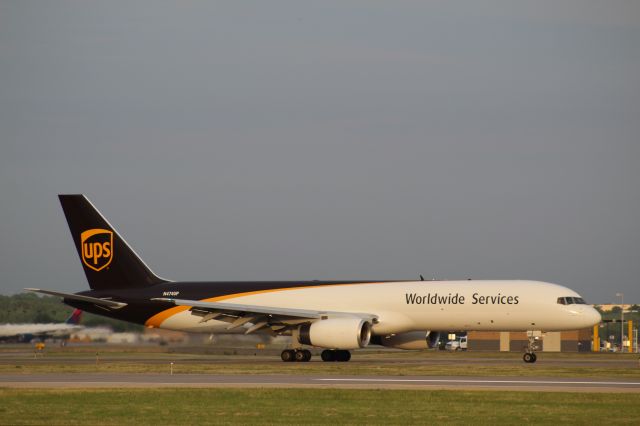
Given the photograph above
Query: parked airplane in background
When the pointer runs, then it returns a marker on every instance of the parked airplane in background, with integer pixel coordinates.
(335, 315)
(27, 332)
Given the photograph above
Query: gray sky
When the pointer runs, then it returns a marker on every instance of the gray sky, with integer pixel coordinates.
(326, 140)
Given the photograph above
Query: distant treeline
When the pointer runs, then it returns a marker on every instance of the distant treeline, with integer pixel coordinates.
(32, 308)
(633, 313)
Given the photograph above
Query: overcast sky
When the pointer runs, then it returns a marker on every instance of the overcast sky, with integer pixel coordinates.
(326, 140)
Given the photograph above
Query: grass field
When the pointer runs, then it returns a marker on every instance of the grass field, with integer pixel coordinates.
(310, 406)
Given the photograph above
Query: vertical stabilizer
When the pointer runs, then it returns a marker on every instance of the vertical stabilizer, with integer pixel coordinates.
(75, 317)
(107, 259)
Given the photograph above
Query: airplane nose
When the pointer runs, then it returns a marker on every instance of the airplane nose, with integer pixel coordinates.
(594, 316)
(585, 316)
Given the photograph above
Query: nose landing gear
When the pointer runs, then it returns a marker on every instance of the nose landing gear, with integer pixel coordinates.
(530, 355)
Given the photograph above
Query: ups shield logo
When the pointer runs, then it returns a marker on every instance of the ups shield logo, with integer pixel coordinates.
(97, 248)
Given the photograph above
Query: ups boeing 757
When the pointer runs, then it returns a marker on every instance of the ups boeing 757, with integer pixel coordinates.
(335, 315)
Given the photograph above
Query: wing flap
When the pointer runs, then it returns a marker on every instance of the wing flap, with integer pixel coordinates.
(241, 313)
(233, 308)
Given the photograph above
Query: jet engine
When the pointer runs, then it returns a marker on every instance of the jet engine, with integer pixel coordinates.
(410, 340)
(336, 333)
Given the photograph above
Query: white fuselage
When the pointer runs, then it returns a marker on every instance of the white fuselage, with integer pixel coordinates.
(422, 305)
(53, 329)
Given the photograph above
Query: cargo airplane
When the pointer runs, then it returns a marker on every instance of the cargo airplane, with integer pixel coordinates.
(335, 315)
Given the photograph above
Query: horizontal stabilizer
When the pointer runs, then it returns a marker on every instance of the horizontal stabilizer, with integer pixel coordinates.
(104, 302)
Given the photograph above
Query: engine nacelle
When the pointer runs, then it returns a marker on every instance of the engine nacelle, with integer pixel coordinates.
(410, 340)
(336, 333)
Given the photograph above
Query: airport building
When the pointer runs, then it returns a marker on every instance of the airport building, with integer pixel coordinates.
(505, 341)
(594, 339)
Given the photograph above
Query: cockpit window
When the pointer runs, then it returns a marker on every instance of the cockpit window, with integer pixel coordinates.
(571, 301)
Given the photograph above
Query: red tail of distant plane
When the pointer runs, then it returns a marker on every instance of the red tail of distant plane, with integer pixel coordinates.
(75, 317)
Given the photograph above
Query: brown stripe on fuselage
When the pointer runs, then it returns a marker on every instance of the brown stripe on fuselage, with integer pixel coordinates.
(157, 320)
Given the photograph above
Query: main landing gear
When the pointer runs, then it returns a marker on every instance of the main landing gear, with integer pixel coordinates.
(530, 355)
(335, 355)
(303, 355)
(296, 355)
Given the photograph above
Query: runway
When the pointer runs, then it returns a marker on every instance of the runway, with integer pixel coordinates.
(97, 367)
(80, 380)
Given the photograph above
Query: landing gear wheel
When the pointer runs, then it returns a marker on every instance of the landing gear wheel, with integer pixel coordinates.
(328, 355)
(343, 356)
(288, 355)
(529, 357)
(302, 355)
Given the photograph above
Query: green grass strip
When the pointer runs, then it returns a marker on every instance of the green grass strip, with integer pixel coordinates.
(311, 406)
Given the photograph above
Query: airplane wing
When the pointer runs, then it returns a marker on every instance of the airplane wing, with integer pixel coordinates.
(278, 319)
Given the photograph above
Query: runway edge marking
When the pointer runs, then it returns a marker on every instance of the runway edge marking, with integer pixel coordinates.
(541, 382)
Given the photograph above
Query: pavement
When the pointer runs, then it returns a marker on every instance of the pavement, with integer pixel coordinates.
(83, 380)
(23, 356)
